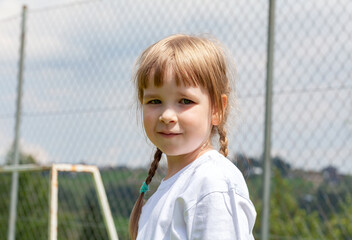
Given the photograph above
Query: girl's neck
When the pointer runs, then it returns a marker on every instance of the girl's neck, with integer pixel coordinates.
(176, 163)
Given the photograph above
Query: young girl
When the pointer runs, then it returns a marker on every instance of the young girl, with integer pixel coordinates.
(184, 90)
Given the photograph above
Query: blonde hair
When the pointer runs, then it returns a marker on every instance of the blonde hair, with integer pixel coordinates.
(195, 61)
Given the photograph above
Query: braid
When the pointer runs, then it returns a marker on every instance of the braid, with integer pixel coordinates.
(137, 209)
(223, 140)
(154, 166)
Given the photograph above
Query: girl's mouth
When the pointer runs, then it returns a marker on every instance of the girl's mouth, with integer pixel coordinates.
(168, 134)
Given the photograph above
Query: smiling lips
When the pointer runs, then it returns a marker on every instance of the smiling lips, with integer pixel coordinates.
(168, 134)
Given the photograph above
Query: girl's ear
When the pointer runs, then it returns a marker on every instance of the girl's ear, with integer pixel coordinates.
(216, 117)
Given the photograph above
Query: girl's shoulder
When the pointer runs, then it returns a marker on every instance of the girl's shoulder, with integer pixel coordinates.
(215, 166)
(215, 173)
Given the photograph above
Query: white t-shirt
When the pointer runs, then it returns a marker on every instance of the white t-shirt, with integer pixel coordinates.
(208, 199)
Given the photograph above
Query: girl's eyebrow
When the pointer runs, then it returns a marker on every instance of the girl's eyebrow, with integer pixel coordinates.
(187, 94)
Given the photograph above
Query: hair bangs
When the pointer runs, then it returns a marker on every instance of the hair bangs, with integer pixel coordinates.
(185, 74)
(160, 70)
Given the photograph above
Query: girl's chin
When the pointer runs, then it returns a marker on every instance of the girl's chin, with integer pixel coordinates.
(183, 152)
(173, 149)
(174, 153)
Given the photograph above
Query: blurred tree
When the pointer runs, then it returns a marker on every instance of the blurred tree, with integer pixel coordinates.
(287, 219)
(33, 201)
(340, 222)
(94, 227)
(5, 188)
(281, 165)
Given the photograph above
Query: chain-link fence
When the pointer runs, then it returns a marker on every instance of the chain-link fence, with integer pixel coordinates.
(79, 107)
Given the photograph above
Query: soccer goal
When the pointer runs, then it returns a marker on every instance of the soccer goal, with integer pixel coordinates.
(54, 186)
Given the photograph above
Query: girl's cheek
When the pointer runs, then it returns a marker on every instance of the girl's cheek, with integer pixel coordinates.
(148, 118)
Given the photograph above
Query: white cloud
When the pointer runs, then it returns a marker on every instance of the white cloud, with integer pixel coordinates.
(27, 148)
(36, 151)
(5, 144)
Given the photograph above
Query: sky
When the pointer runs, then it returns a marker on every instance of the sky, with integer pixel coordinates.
(79, 100)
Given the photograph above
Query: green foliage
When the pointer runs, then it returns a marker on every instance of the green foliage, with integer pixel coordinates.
(286, 217)
(94, 227)
(5, 188)
(33, 202)
(80, 210)
(298, 210)
(32, 207)
(338, 225)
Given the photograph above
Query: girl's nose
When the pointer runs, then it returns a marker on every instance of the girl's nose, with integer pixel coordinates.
(168, 116)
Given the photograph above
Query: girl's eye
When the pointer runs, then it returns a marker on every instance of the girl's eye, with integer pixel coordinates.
(186, 101)
(154, 101)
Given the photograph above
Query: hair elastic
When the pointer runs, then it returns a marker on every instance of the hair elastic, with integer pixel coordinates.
(144, 188)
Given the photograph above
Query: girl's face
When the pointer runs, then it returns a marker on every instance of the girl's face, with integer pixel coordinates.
(177, 119)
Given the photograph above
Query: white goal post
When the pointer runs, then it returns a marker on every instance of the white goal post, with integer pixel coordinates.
(54, 186)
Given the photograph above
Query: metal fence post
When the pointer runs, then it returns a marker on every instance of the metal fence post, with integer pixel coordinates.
(14, 184)
(268, 117)
(104, 204)
(54, 191)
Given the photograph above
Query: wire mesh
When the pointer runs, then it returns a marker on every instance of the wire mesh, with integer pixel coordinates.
(79, 104)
